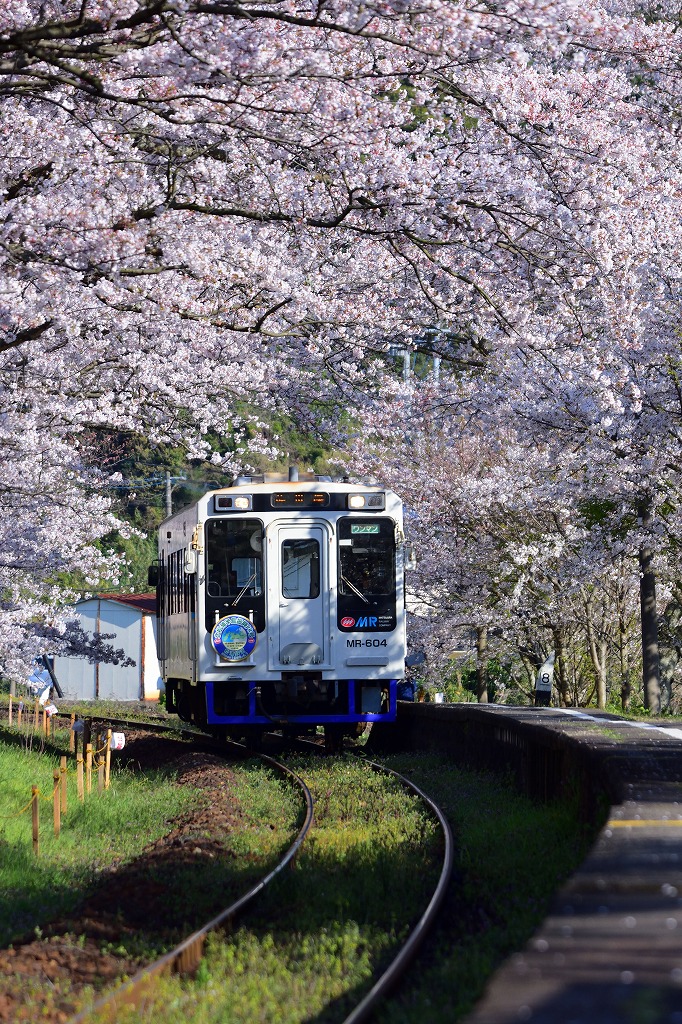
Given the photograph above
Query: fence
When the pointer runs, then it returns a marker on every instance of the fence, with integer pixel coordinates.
(85, 761)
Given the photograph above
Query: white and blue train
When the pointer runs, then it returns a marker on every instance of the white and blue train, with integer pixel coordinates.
(281, 604)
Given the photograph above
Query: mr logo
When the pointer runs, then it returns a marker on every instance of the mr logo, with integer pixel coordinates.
(368, 621)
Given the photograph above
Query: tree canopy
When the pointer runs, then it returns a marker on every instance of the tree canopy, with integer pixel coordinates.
(215, 210)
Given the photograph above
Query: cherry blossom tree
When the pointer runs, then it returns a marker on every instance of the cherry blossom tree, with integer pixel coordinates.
(215, 209)
(511, 564)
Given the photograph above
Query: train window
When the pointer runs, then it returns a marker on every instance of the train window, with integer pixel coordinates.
(366, 557)
(174, 589)
(234, 567)
(300, 568)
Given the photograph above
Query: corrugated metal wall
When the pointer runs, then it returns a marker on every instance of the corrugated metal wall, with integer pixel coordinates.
(135, 633)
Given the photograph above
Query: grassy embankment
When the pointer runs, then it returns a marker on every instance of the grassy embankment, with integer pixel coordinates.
(103, 830)
(309, 951)
(94, 833)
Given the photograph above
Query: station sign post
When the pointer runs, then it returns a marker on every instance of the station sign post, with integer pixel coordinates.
(543, 683)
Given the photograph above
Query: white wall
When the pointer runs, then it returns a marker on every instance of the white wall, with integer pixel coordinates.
(119, 682)
(152, 684)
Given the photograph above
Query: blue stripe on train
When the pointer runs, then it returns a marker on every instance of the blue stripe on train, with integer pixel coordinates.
(253, 718)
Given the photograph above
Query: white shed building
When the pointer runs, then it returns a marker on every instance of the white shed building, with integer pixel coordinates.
(131, 618)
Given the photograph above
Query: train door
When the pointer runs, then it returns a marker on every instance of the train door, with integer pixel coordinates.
(303, 595)
(190, 602)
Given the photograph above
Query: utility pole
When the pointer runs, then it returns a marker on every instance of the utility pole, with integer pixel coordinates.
(153, 481)
(170, 480)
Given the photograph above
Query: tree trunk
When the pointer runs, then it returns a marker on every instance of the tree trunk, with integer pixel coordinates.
(481, 664)
(560, 680)
(667, 663)
(531, 670)
(651, 678)
(598, 652)
(625, 681)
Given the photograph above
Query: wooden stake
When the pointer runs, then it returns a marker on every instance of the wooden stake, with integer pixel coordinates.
(107, 768)
(46, 724)
(88, 768)
(100, 775)
(21, 708)
(62, 779)
(34, 819)
(56, 802)
(79, 778)
(10, 710)
(72, 736)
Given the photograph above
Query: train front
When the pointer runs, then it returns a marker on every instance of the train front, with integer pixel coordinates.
(302, 604)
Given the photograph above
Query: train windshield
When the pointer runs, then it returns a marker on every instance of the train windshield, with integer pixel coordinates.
(234, 564)
(366, 557)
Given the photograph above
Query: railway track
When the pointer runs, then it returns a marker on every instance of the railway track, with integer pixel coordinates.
(410, 948)
(185, 957)
(391, 975)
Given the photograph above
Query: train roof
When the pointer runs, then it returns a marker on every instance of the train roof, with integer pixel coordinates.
(301, 485)
(295, 478)
(287, 483)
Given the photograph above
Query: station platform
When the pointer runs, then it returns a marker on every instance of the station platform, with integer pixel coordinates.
(610, 950)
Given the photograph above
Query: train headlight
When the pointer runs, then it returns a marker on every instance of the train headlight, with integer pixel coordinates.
(230, 502)
(374, 501)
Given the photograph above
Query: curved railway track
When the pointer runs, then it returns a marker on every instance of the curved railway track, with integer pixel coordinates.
(392, 974)
(408, 951)
(186, 956)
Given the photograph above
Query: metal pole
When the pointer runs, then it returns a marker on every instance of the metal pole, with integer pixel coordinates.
(169, 494)
(46, 662)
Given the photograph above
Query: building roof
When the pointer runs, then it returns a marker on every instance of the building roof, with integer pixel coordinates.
(143, 602)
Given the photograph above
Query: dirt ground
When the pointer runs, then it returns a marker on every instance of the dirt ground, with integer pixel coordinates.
(70, 954)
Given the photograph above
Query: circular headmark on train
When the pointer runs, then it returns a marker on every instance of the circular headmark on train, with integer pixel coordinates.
(234, 637)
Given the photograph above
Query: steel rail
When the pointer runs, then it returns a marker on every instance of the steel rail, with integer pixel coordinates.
(187, 955)
(408, 951)
(141, 723)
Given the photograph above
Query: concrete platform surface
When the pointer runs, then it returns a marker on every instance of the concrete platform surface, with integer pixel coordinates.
(610, 951)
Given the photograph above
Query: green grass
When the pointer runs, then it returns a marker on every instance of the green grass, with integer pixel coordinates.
(312, 949)
(116, 826)
(512, 855)
(313, 944)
